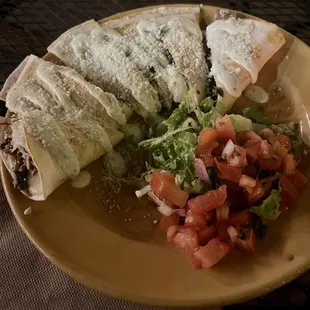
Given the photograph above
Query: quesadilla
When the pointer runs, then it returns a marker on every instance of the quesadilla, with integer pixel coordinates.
(86, 49)
(175, 32)
(58, 123)
(239, 50)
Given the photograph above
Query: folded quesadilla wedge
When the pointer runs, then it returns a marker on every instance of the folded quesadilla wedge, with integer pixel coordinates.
(58, 123)
(176, 32)
(85, 48)
(239, 50)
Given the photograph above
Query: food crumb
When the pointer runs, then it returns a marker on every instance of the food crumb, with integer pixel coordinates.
(129, 220)
(125, 220)
(155, 222)
(290, 257)
(28, 211)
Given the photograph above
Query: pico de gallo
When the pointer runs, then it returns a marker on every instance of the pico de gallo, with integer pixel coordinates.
(216, 178)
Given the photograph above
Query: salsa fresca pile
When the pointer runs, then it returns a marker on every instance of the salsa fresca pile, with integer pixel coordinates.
(217, 179)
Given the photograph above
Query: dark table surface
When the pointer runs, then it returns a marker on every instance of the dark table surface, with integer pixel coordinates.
(27, 279)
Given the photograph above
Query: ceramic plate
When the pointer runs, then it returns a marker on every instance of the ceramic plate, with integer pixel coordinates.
(109, 242)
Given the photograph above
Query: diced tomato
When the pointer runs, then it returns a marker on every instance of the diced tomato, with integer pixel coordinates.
(265, 151)
(256, 193)
(210, 215)
(265, 164)
(298, 179)
(289, 191)
(152, 197)
(285, 141)
(279, 146)
(222, 231)
(225, 129)
(243, 219)
(171, 232)
(205, 154)
(206, 136)
(166, 189)
(222, 212)
(208, 201)
(228, 172)
(212, 253)
(245, 136)
(266, 133)
(190, 255)
(167, 175)
(207, 234)
(289, 165)
(270, 164)
(251, 171)
(251, 240)
(183, 237)
(247, 181)
(283, 204)
(252, 148)
(249, 244)
(238, 157)
(218, 150)
(195, 220)
(167, 221)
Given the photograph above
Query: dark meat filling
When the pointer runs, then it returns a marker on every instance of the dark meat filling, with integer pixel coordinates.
(24, 165)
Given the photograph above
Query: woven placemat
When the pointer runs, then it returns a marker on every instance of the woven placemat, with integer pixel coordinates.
(27, 279)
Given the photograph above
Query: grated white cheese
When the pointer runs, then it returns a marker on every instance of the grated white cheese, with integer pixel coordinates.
(182, 37)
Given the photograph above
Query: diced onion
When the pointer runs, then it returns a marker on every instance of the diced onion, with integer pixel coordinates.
(222, 212)
(143, 191)
(228, 149)
(233, 234)
(201, 171)
(247, 181)
(163, 208)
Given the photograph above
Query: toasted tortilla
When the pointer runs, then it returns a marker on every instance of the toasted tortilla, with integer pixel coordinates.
(177, 31)
(58, 119)
(239, 50)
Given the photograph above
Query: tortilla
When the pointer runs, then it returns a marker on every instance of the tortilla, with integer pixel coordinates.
(239, 50)
(59, 123)
(177, 32)
(86, 49)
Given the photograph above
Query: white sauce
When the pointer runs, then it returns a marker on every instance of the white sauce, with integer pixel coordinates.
(256, 93)
(114, 163)
(133, 131)
(82, 179)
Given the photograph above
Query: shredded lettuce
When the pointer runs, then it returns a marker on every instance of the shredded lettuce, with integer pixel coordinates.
(256, 115)
(285, 129)
(206, 104)
(258, 127)
(269, 209)
(207, 119)
(240, 123)
(174, 152)
(180, 113)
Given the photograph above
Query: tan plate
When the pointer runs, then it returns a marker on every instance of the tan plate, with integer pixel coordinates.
(123, 254)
